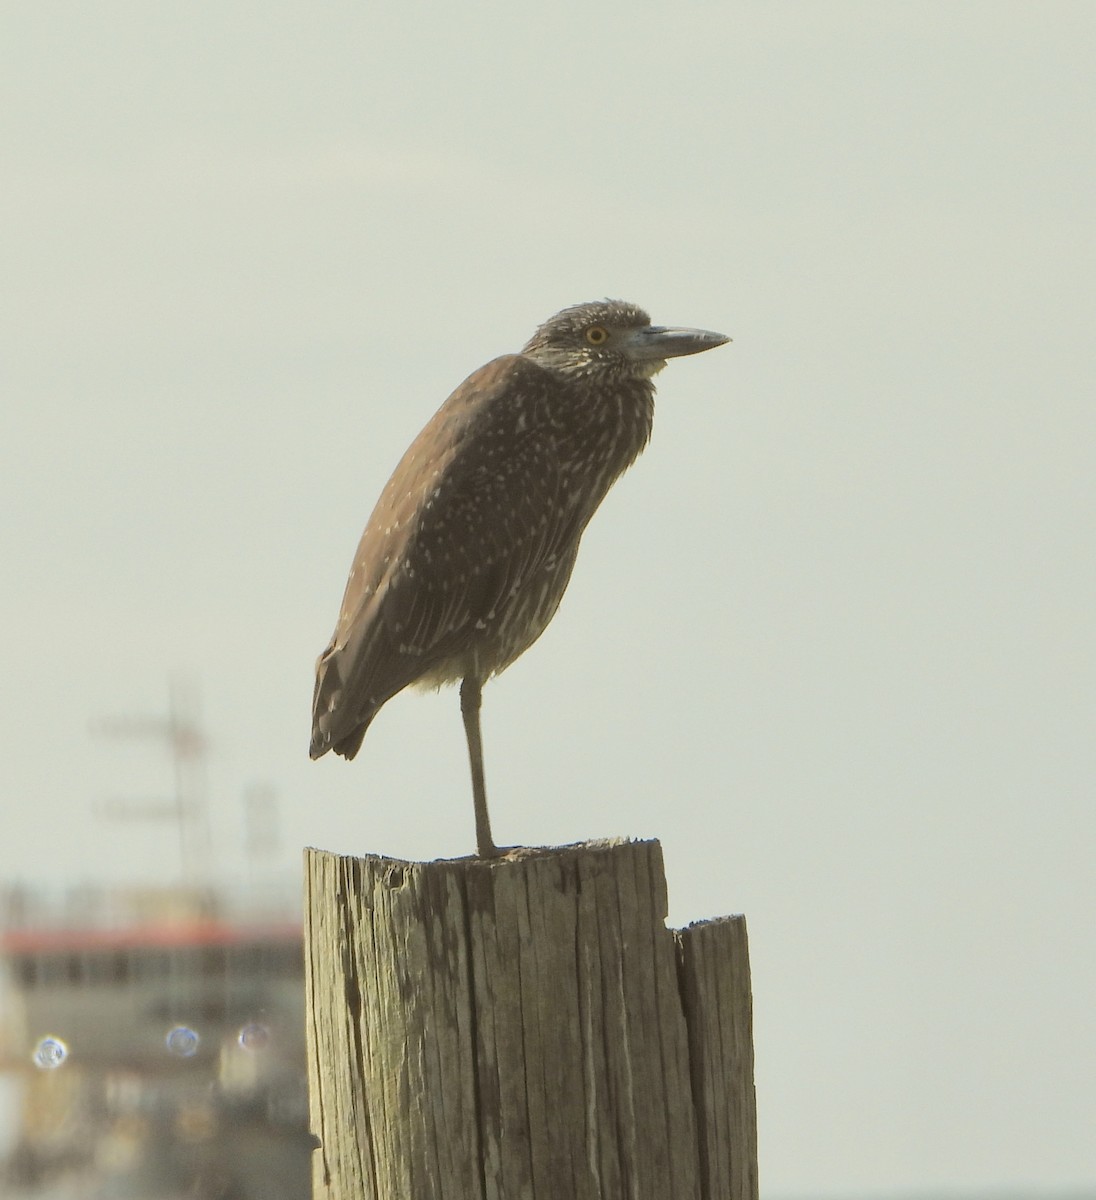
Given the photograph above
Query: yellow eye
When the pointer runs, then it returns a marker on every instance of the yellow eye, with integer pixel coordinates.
(597, 335)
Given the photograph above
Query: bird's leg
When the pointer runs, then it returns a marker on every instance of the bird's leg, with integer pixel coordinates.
(471, 693)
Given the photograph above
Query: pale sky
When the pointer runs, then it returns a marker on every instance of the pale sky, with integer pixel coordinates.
(832, 638)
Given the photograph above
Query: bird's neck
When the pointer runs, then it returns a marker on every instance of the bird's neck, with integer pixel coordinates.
(607, 429)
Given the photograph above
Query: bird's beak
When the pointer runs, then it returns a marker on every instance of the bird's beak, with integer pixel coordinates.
(654, 342)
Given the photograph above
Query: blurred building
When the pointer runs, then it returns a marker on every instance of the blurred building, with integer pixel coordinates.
(152, 1043)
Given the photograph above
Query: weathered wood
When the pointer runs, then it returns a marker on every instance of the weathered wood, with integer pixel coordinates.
(715, 990)
(522, 1028)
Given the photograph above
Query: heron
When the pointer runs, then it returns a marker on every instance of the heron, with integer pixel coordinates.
(471, 545)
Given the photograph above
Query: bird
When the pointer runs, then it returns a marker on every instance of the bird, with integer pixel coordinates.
(472, 542)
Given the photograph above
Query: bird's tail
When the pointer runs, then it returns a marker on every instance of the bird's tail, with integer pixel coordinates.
(328, 723)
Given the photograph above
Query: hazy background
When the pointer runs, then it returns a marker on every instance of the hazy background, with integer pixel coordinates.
(831, 640)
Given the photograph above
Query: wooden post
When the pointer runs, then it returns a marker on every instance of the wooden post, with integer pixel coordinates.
(524, 1027)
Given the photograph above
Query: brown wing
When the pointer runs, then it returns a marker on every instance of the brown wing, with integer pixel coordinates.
(476, 507)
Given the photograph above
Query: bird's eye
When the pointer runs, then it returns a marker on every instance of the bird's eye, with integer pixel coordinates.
(597, 335)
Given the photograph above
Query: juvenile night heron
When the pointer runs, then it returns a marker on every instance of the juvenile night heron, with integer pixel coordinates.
(471, 545)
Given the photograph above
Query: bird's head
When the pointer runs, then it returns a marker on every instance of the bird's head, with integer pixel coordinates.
(611, 338)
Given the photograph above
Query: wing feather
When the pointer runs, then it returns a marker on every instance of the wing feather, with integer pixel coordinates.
(459, 530)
